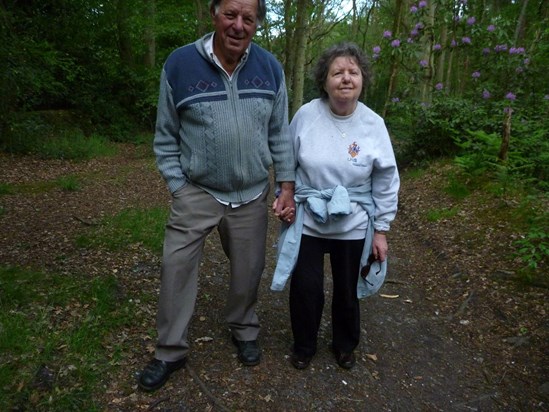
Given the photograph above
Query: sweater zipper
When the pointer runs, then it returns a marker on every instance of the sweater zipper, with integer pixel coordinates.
(234, 90)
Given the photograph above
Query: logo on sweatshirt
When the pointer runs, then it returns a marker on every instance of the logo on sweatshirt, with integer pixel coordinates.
(354, 150)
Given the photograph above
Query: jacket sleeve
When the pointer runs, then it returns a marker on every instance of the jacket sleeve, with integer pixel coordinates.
(166, 138)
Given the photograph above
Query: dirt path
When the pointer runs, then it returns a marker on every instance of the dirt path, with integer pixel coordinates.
(450, 331)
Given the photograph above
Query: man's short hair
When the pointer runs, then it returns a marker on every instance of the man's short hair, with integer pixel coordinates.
(261, 9)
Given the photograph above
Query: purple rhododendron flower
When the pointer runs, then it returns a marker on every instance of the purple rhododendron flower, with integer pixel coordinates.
(413, 9)
(395, 43)
(500, 48)
(387, 34)
(546, 97)
(486, 94)
(486, 51)
(439, 86)
(376, 49)
(437, 47)
(526, 62)
(457, 19)
(511, 96)
(519, 70)
(423, 63)
(471, 20)
(422, 4)
(375, 56)
(395, 100)
(410, 40)
(517, 50)
(419, 26)
(475, 74)
(466, 40)
(491, 28)
(453, 43)
(463, 2)
(414, 33)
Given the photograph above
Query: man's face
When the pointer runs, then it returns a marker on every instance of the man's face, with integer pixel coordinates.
(235, 25)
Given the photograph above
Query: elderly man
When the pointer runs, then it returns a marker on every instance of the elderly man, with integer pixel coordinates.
(222, 122)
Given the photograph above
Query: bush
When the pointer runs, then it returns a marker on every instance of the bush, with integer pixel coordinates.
(423, 132)
(53, 135)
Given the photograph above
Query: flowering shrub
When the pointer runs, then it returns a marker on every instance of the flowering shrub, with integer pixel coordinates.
(472, 59)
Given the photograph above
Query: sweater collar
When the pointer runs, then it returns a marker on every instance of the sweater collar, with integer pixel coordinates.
(208, 46)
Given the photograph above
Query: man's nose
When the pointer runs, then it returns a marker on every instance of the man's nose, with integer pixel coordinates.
(238, 23)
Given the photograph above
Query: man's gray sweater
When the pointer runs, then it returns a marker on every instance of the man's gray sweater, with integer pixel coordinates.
(223, 134)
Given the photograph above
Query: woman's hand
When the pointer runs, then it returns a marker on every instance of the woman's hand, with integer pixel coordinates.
(380, 247)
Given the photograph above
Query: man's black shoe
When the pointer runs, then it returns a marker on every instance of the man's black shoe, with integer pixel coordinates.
(157, 372)
(248, 351)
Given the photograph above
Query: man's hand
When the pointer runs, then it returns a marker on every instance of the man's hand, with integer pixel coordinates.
(284, 204)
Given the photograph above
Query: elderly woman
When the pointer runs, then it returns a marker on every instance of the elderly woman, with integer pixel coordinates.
(346, 195)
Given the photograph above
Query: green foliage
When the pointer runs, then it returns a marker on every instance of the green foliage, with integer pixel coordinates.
(36, 133)
(423, 131)
(434, 215)
(533, 249)
(53, 329)
(69, 183)
(527, 159)
(457, 187)
(129, 227)
(6, 189)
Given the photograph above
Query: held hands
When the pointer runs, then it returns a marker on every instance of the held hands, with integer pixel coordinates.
(284, 204)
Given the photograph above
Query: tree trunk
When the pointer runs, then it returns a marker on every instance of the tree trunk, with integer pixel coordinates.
(125, 49)
(290, 47)
(397, 22)
(300, 41)
(150, 38)
(426, 86)
(441, 60)
(521, 24)
(506, 135)
(202, 16)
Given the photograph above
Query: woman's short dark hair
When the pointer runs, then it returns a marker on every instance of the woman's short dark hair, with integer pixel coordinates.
(345, 49)
(261, 9)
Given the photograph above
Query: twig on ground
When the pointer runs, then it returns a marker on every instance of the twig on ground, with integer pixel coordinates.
(463, 305)
(157, 402)
(85, 221)
(204, 388)
(399, 282)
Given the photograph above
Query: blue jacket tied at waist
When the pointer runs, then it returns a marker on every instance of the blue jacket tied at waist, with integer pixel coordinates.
(321, 204)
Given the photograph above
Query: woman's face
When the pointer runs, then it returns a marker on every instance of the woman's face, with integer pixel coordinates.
(344, 82)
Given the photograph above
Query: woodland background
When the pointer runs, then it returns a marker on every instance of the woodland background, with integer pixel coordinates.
(448, 74)
(464, 90)
(459, 79)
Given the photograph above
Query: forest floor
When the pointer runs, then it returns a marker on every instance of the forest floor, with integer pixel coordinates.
(453, 329)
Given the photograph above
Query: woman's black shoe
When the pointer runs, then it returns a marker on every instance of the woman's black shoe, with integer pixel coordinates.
(345, 359)
(300, 362)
